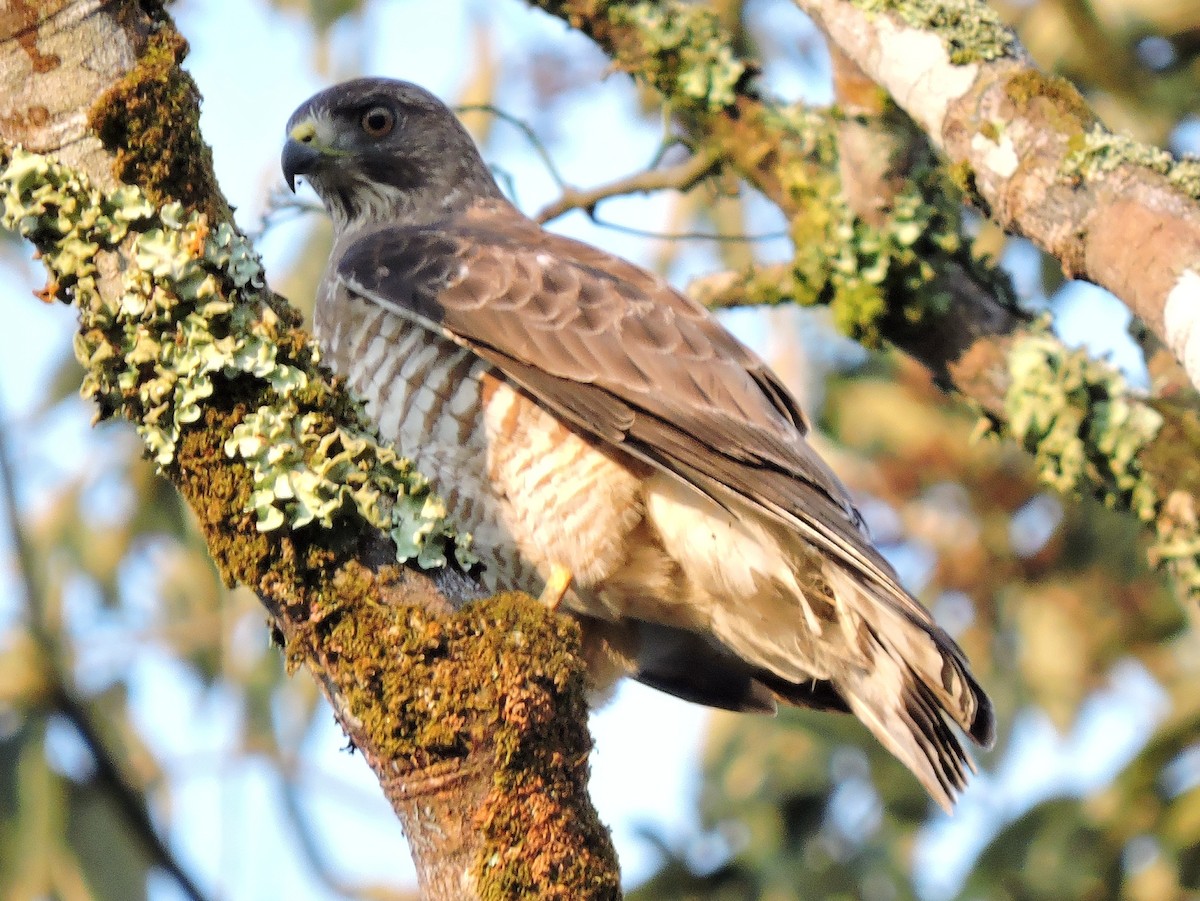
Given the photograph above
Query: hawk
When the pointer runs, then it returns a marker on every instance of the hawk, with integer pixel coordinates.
(609, 445)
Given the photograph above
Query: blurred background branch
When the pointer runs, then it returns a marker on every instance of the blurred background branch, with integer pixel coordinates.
(52, 692)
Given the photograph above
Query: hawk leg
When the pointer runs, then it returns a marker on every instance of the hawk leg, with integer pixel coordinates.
(556, 586)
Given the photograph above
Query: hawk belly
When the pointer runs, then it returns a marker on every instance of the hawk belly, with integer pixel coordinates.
(532, 492)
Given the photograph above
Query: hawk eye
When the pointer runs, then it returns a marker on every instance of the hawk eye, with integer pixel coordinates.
(378, 121)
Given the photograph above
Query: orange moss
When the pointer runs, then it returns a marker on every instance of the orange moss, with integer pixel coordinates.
(150, 120)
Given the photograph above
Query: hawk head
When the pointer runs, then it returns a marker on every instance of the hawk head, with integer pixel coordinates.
(380, 150)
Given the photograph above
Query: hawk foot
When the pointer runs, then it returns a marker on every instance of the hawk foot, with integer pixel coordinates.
(556, 586)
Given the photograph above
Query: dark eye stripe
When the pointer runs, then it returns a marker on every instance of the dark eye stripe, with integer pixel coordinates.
(393, 170)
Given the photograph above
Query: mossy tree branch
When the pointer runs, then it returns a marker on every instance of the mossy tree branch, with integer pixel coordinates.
(896, 266)
(473, 720)
(1037, 158)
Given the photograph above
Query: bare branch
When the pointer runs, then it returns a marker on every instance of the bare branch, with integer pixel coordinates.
(129, 800)
(683, 177)
(310, 843)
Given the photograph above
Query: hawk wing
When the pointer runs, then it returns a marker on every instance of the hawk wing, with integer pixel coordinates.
(620, 354)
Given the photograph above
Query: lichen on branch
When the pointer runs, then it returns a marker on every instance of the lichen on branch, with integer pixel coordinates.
(1076, 416)
(1032, 152)
(969, 30)
(1100, 151)
(690, 60)
(1088, 433)
(189, 312)
(876, 276)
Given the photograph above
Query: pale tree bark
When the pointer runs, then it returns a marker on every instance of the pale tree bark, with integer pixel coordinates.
(1039, 161)
(474, 721)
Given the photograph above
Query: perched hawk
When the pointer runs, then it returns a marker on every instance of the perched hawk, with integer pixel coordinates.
(609, 444)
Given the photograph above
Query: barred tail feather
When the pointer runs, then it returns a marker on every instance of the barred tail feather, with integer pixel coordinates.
(913, 678)
(815, 632)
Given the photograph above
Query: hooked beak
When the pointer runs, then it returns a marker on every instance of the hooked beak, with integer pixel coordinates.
(301, 155)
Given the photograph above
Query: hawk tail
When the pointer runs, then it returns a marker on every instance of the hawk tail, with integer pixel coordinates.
(909, 677)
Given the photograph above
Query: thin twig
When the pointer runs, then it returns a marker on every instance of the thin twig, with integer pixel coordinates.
(530, 135)
(676, 178)
(281, 201)
(680, 178)
(129, 800)
(690, 236)
(31, 585)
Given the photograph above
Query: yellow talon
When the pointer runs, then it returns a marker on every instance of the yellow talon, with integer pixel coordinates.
(556, 586)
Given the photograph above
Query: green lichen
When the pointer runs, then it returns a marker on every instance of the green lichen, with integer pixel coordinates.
(1076, 416)
(872, 274)
(1173, 455)
(150, 120)
(1185, 175)
(187, 315)
(1178, 542)
(307, 470)
(970, 30)
(756, 287)
(1098, 152)
(690, 60)
(962, 176)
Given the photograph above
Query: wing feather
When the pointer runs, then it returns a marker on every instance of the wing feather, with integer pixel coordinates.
(600, 341)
